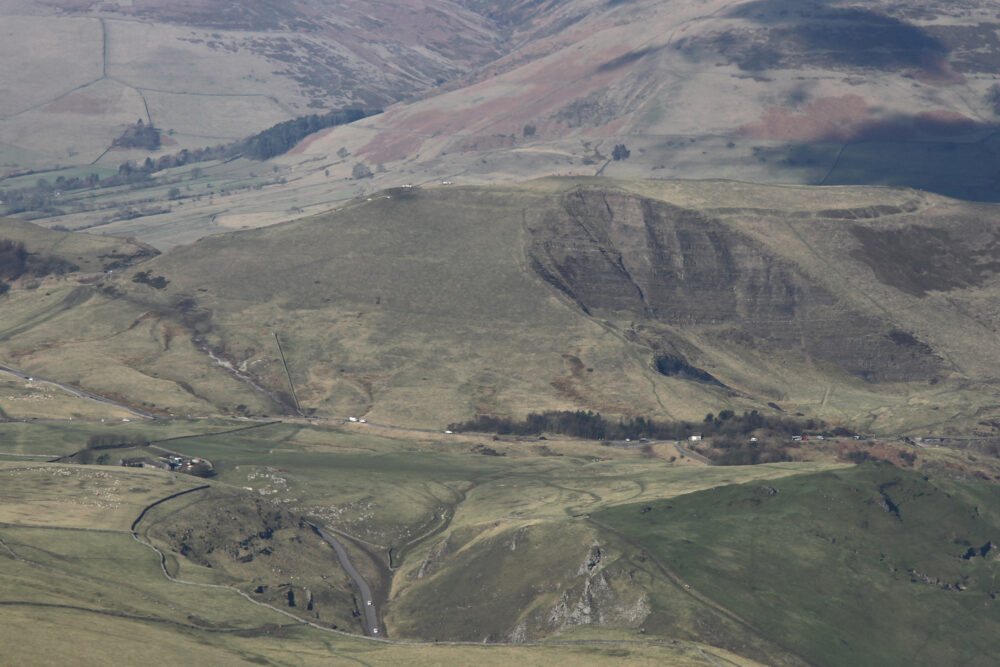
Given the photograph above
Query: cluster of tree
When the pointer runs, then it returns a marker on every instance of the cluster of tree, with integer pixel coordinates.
(620, 152)
(360, 171)
(44, 194)
(592, 426)
(730, 451)
(282, 137)
(16, 261)
(13, 262)
(13, 259)
(115, 441)
(677, 367)
(139, 136)
(145, 278)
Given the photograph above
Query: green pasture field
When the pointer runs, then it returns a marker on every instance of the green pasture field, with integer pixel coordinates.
(32, 180)
(388, 491)
(61, 437)
(854, 566)
(401, 499)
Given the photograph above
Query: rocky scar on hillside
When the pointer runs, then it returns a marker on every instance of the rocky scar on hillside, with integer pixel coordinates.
(259, 547)
(597, 600)
(518, 585)
(667, 269)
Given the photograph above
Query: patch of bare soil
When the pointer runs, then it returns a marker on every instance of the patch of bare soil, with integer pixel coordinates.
(80, 103)
(824, 119)
(487, 143)
(390, 146)
(301, 147)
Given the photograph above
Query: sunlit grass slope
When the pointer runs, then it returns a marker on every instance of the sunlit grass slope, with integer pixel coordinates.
(867, 565)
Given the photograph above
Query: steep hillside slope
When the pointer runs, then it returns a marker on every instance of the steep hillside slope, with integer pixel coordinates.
(76, 74)
(28, 252)
(833, 564)
(79, 586)
(827, 92)
(870, 307)
(890, 93)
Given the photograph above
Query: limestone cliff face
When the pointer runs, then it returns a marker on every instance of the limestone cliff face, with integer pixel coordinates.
(519, 585)
(625, 257)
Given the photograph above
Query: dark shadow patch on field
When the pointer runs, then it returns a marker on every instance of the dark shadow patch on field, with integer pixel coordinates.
(962, 170)
(892, 153)
(793, 36)
(626, 59)
(974, 48)
(672, 366)
(852, 118)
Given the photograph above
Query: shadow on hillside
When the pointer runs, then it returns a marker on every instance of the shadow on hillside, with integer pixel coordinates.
(794, 35)
(962, 167)
(627, 59)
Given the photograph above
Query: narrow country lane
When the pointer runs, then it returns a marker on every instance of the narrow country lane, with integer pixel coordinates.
(367, 602)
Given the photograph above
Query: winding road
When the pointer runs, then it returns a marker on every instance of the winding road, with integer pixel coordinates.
(367, 603)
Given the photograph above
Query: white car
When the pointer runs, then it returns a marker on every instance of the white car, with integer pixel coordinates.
(352, 419)
(369, 603)
(363, 421)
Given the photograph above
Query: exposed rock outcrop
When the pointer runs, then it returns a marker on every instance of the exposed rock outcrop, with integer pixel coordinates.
(629, 258)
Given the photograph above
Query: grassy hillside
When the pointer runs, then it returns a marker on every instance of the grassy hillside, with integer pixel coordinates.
(597, 553)
(412, 308)
(49, 251)
(867, 307)
(489, 544)
(867, 565)
(78, 588)
(897, 93)
(204, 74)
(423, 305)
(34, 400)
